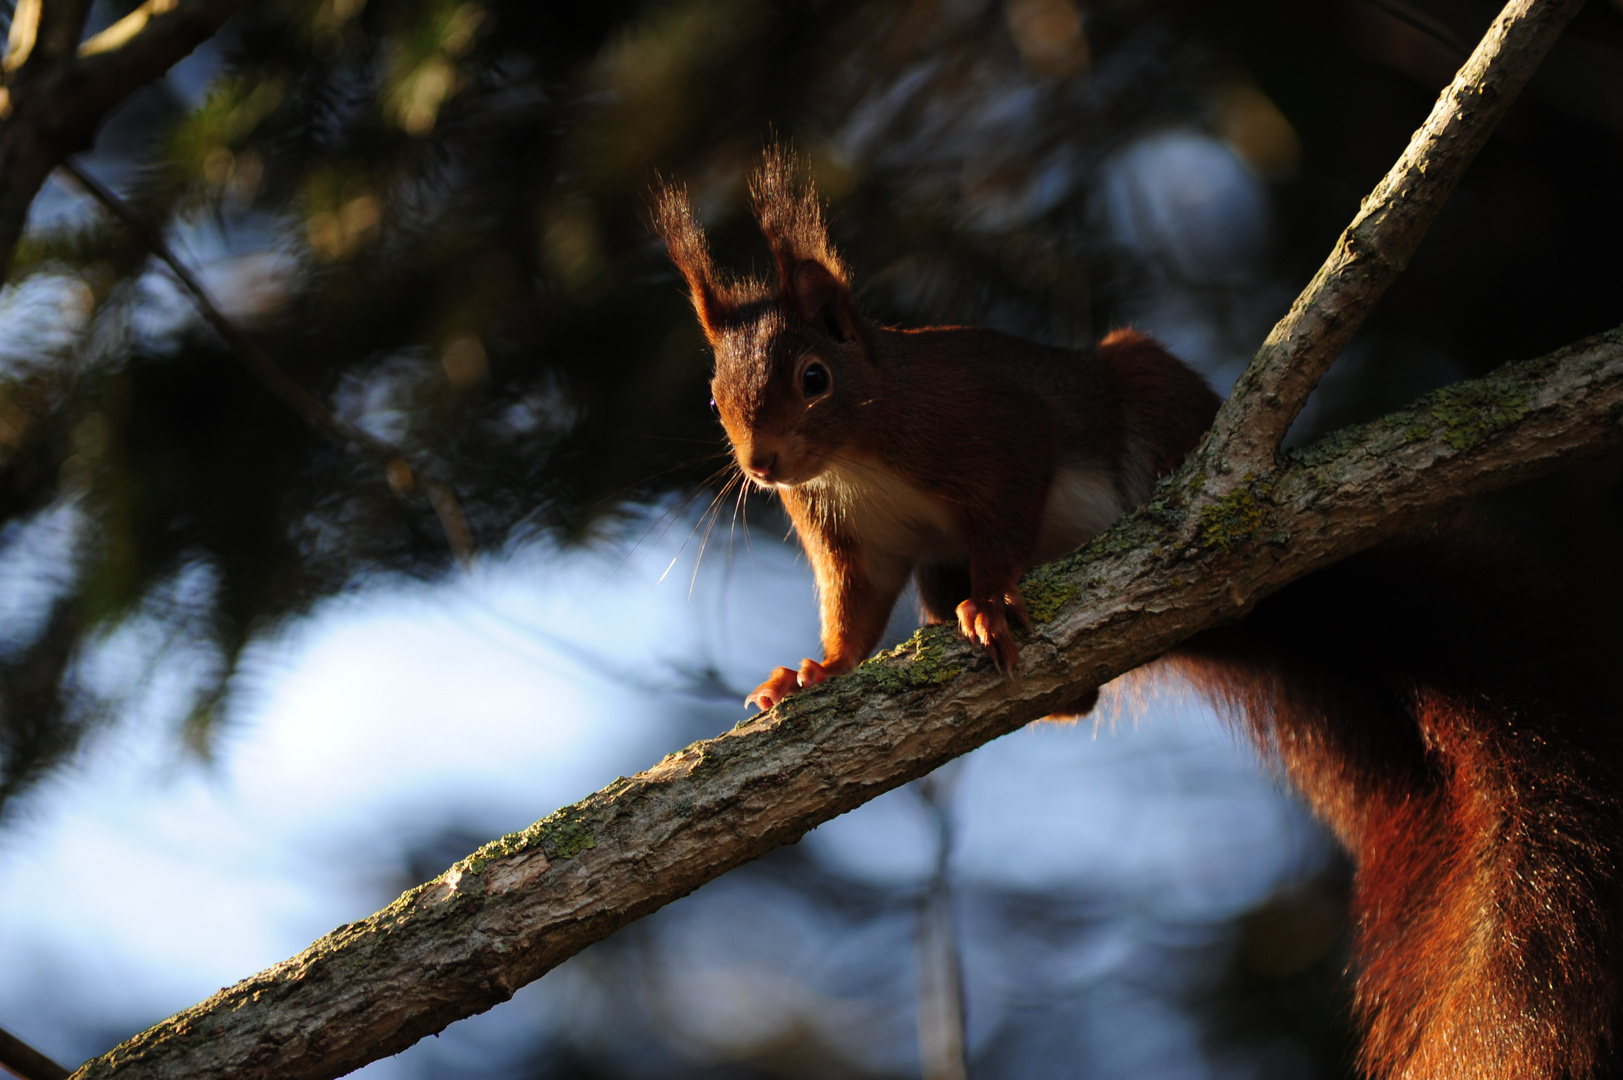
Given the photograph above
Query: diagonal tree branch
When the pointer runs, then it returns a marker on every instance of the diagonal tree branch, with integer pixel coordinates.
(1379, 243)
(521, 905)
(51, 99)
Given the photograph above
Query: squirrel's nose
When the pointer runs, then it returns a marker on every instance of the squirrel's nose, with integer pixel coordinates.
(761, 464)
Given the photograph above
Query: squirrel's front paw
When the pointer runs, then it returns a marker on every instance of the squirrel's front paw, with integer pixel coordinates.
(780, 684)
(986, 623)
(785, 681)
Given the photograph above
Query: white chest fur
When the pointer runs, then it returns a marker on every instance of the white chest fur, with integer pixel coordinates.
(896, 517)
(888, 512)
(1081, 504)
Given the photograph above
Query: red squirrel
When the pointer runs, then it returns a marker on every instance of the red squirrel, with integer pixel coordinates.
(1456, 739)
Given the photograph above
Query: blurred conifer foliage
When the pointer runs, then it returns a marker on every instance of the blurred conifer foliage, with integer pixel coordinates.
(432, 214)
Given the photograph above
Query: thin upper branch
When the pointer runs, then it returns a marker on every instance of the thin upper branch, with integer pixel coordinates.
(145, 44)
(390, 458)
(51, 98)
(1382, 238)
(520, 906)
(20, 39)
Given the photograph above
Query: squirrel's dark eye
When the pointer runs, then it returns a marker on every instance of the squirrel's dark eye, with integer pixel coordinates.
(714, 407)
(814, 381)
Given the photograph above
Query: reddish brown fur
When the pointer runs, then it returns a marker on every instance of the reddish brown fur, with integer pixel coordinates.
(1460, 741)
(1466, 767)
(1170, 411)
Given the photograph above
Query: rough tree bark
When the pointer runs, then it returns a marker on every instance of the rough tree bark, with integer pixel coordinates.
(1235, 524)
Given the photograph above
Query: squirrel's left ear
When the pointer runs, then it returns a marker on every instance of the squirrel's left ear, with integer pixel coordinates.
(679, 228)
(811, 277)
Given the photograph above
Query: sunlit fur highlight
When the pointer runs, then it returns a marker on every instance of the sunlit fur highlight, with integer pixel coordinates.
(791, 217)
(716, 299)
(1448, 713)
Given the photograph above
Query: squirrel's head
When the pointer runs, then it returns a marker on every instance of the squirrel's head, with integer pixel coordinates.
(792, 364)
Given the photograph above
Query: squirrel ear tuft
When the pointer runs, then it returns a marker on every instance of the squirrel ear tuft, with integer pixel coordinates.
(676, 224)
(811, 275)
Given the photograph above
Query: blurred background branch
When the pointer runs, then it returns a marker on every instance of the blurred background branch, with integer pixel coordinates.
(22, 1060)
(53, 97)
(387, 457)
(942, 1045)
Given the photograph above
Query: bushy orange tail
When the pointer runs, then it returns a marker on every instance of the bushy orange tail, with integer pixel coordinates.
(1453, 720)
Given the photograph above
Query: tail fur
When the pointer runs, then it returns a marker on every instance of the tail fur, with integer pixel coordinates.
(1450, 716)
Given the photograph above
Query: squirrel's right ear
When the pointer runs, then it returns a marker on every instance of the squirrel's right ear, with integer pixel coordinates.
(677, 226)
(811, 276)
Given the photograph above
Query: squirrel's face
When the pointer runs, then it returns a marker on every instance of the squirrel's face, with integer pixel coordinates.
(787, 393)
(793, 376)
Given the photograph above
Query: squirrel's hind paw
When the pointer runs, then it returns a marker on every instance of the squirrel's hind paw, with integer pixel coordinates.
(986, 623)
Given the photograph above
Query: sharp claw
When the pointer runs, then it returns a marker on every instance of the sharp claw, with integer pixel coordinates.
(811, 673)
(987, 625)
(783, 682)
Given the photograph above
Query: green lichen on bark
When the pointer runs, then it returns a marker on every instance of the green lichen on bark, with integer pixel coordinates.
(569, 840)
(1328, 448)
(1235, 518)
(1116, 541)
(918, 662)
(1472, 411)
(1046, 591)
(1139, 528)
(560, 835)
